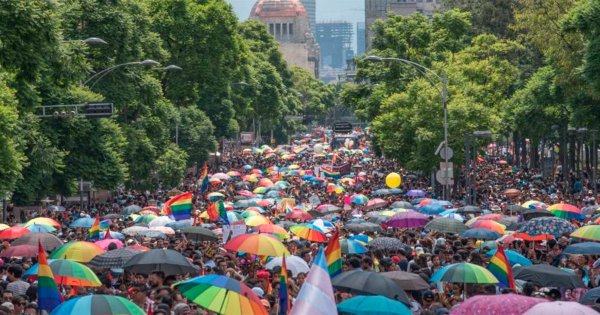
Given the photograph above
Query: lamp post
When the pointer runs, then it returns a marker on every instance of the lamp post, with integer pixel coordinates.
(427, 73)
(99, 75)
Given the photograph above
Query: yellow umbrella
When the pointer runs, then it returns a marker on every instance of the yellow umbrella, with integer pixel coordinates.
(256, 220)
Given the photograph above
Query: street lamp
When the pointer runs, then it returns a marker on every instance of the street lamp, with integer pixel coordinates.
(99, 75)
(90, 41)
(427, 73)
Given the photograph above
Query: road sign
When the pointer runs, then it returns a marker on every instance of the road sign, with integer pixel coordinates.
(342, 127)
(98, 110)
(439, 175)
(443, 154)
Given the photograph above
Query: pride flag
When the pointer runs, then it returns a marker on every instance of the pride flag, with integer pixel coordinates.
(212, 212)
(94, 231)
(48, 296)
(284, 300)
(204, 182)
(179, 207)
(333, 252)
(327, 172)
(316, 294)
(222, 212)
(500, 267)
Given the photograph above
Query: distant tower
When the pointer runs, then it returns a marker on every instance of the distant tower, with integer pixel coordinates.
(335, 42)
(311, 11)
(288, 22)
(360, 39)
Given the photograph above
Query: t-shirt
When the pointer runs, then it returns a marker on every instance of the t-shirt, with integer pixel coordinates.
(18, 287)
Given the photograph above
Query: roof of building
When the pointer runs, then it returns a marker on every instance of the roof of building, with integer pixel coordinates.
(277, 8)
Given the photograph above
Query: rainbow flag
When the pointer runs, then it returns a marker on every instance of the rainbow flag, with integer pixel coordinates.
(94, 231)
(222, 212)
(179, 207)
(48, 296)
(333, 252)
(500, 267)
(204, 182)
(211, 210)
(284, 300)
(330, 173)
(316, 294)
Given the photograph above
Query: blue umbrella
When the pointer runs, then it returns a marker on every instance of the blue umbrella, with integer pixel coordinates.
(381, 192)
(396, 191)
(373, 305)
(585, 248)
(513, 257)
(482, 234)
(432, 209)
(113, 234)
(443, 203)
(41, 228)
(83, 223)
(178, 225)
(131, 209)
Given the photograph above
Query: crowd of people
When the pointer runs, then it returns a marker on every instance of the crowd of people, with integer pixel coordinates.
(423, 252)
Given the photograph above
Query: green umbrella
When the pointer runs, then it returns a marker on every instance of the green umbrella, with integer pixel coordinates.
(373, 305)
(463, 273)
(98, 304)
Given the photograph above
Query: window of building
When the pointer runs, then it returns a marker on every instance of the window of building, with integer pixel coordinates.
(284, 30)
(278, 30)
(291, 29)
(271, 29)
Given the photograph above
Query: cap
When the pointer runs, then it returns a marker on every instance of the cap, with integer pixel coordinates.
(9, 305)
(181, 308)
(395, 259)
(428, 295)
(260, 292)
(440, 241)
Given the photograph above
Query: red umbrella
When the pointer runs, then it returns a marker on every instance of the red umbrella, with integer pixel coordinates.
(298, 215)
(20, 251)
(13, 232)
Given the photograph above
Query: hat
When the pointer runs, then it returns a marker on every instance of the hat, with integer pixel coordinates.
(428, 295)
(181, 308)
(260, 292)
(9, 305)
(395, 259)
(440, 241)
(263, 274)
(419, 251)
(130, 241)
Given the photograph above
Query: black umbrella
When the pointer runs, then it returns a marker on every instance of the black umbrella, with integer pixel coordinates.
(198, 233)
(166, 260)
(469, 209)
(481, 234)
(112, 216)
(365, 282)
(585, 248)
(536, 214)
(517, 209)
(548, 276)
(591, 296)
(115, 258)
(402, 204)
(363, 227)
(387, 243)
(407, 280)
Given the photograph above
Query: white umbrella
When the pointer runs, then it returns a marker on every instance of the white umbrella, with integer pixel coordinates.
(294, 263)
(160, 221)
(133, 230)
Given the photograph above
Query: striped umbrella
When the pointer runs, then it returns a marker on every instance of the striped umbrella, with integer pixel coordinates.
(68, 272)
(214, 196)
(566, 211)
(77, 251)
(463, 273)
(588, 232)
(489, 225)
(309, 232)
(273, 229)
(446, 225)
(98, 304)
(257, 244)
(352, 247)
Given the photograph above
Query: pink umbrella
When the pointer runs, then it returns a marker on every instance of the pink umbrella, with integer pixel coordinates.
(408, 219)
(245, 193)
(503, 304)
(560, 308)
(375, 204)
(107, 241)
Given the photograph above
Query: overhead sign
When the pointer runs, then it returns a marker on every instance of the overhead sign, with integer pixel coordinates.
(342, 127)
(98, 110)
(247, 137)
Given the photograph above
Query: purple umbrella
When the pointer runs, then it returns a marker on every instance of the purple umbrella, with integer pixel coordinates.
(415, 193)
(408, 219)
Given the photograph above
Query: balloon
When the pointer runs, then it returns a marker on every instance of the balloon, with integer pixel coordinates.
(393, 180)
(318, 148)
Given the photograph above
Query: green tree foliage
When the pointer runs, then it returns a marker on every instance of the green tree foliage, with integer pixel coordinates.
(488, 16)
(196, 134)
(12, 157)
(316, 97)
(170, 166)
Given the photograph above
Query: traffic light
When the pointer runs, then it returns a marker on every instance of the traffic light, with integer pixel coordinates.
(98, 110)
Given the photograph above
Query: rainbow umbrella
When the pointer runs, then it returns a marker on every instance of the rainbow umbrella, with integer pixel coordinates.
(249, 213)
(534, 204)
(98, 304)
(146, 218)
(257, 220)
(489, 225)
(463, 273)
(67, 272)
(309, 232)
(588, 232)
(273, 229)
(257, 244)
(40, 228)
(214, 196)
(234, 174)
(222, 295)
(13, 232)
(566, 211)
(77, 251)
(257, 209)
(352, 247)
(260, 190)
(265, 182)
(221, 176)
(42, 220)
(359, 199)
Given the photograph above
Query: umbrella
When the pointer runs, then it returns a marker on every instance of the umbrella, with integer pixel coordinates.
(585, 248)
(309, 232)
(153, 234)
(537, 213)
(105, 243)
(324, 225)
(534, 204)
(133, 230)
(98, 304)
(20, 251)
(178, 225)
(83, 223)
(131, 209)
(408, 219)
(67, 272)
(402, 204)
(112, 216)
(560, 308)
(588, 232)
(293, 263)
(463, 273)
(160, 221)
(518, 209)
(566, 211)
(151, 209)
(256, 220)
(49, 241)
(298, 215)
(480, 234)
(113, 258)
(13, 232)
(257, 244)
(359, 199)
(363, 227)
(591, 296)
(273, 229)
(352, 247)
(3, 226)
(407, 280)
(446, 225)
(503, 304)
(358, 281)
(513, 257)
(386, 243)
(77, 251)
(548, 276)
(42, 220)
(326, 208)
(489, 225)
(221, 176)
(469, 209)
(198, 233)
(372, 305)
(512, 193)
(166, 260)
(375, 204)
(41, 228)
(547, 225)
(146, 218)
(432, 209)
(222, 295)
(415, 193)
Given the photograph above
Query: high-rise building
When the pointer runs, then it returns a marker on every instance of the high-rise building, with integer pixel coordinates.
(311, 10)
(335, 42)
(361, 48)
(380, 9)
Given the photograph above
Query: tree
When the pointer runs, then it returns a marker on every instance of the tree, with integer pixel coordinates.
(488, 16)
(316, 97)
(196, 134)
(170, 166)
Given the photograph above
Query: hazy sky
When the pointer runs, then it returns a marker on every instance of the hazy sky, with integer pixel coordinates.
(327, 10)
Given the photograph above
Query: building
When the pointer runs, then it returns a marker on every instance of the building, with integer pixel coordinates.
(380, 9)
(335, 43)
(361, 47)
(311, 10)
(288, 22)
